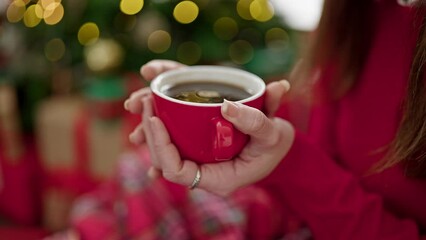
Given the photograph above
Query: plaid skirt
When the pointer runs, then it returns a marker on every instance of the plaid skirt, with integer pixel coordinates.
(133, 206)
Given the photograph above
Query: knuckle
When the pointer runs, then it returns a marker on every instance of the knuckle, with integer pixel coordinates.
(133, 95)
(284, 130)
(258, 123)
(175, 177)
(275, 137)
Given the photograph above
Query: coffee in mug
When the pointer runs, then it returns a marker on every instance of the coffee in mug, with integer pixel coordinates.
(206, 92)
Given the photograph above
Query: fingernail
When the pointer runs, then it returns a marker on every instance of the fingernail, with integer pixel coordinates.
(230, 109)
(285, 84)
(126, 104)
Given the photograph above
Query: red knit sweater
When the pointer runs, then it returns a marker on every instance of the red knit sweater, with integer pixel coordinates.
(322, 178)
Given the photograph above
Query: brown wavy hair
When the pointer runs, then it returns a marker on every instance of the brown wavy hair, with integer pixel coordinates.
(409, 145)
(344, 33)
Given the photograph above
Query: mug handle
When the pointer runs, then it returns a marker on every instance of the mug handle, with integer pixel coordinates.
(223, 139)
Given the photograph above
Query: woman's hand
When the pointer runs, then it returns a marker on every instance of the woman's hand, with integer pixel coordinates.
(134, 103)
(270, 140)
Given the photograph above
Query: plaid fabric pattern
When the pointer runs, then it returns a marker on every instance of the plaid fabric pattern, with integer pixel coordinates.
(133, 206)
(213, 217)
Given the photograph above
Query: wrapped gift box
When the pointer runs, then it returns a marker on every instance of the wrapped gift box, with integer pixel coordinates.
(71, 139)
(78, 149)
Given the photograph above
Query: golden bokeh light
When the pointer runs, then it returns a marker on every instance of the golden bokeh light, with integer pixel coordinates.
(241, 52)
(189, 53)
(131, 7)
(276, 37)
(46, 3)
(55, 50)
(39, 10)
(185, 12)
(261, 10)
(159, 41)
(50, 9)
(104, 56)
(243, 9)
(15, 11)
(53, 13)
(30, 17)
(225, 28)
(88, 33)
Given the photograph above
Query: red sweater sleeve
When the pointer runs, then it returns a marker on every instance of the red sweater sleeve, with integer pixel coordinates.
(331, 200)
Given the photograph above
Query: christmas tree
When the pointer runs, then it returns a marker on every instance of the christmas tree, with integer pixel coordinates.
(56, 46)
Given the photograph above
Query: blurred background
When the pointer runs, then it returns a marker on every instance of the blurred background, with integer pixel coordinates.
(66, 67)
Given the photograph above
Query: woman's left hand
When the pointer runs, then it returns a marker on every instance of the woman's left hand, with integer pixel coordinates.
(270, 140)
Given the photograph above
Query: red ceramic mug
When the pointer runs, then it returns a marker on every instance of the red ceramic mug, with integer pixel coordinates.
(197, 129)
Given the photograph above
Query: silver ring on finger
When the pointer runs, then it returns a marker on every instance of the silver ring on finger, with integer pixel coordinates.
(196, 180)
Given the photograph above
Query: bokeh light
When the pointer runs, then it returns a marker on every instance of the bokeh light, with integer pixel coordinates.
(16, 10)
(261, 10)
(243, 9)
(30, 17)
(53, 13)
(39, 10)
(189, 53)
(88, 33)
(50, 9)
(104, 56)
(131, 7)
(185, 12)
(49, 3)
(276, 37)
(159, 41)
(146, 24)
(225, 28)
(241, 52)
(54, 50)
